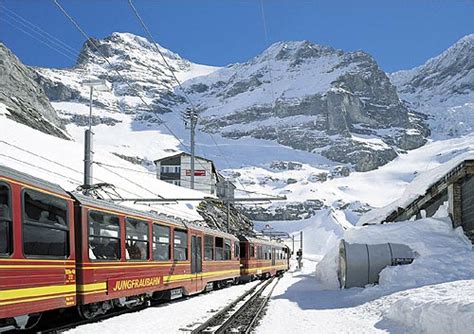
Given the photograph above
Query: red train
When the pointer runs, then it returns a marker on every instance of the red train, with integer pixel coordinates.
(61, 250)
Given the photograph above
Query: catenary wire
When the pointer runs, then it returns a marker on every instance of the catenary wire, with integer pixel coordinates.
(150, 36)
(114, 68)
(38, 30)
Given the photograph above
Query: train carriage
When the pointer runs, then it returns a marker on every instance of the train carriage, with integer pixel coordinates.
(262, 258)
(60, 250)
(37, 262)
(126, 257)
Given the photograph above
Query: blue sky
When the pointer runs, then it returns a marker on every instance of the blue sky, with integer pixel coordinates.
(399, 34)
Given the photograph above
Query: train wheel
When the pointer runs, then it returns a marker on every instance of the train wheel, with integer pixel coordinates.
(90, 311)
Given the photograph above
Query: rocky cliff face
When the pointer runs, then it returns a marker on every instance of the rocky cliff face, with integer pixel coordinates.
(443, 88)
(313, 98)
(24, 98)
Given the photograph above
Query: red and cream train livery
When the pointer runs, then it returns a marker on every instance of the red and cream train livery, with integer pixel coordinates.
(60, 250)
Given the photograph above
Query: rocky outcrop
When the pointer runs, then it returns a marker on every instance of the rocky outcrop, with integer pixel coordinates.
(289, 211)
(24, 98)
(214, 213)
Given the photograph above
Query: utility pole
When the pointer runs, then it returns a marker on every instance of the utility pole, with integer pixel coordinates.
(192, 117)
(99, 85)
(293, 244)
(301, 241)
(88, 153)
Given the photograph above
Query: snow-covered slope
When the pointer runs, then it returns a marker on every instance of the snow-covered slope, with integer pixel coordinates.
(443, 88)
(61, 161)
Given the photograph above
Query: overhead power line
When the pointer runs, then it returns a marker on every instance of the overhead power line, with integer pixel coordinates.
(38, 30)
(170, 68)
(125, 80)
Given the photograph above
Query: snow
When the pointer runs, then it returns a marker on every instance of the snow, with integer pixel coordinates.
(434, 294)
(175, 317)
(3, 110)
(131, 180)
(442, 308)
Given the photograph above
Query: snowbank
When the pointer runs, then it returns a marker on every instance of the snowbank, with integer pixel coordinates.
(444, 254)
(442, 308)
(320, 232)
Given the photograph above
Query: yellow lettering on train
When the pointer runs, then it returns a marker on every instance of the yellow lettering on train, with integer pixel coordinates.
(129, 284)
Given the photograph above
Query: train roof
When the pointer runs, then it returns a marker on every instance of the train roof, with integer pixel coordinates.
(261, 241)
(214, 232)
(27, 179)
(14, 175)
(108, 205)
(111, 206)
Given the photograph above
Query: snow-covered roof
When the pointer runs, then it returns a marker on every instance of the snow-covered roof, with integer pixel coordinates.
(423, 184)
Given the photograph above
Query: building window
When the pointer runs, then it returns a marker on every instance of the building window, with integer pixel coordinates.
(219, 248)
(208, 248)
(161, 243)
(45, 225)
(104, 236)
(136, 239)
(180, 245)
(171, 169)
(227, 250)
(5, 221)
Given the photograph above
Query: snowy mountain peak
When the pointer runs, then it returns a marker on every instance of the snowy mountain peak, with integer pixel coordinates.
(443, 87)
(133, 66)
(297, 50)
(121, 46)
(313, 98)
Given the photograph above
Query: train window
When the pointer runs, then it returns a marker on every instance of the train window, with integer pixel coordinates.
(180, 245)
(161, 243)
(5, 221)
(236, 249)
(252, 250)
(45, 225)
(219, 248)
(136, 239)
(243, 251)
(259, 253)
(104, 236)
(227, 250)
(208, 247)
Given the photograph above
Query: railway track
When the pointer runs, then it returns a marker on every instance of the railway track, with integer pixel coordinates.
(243, 313)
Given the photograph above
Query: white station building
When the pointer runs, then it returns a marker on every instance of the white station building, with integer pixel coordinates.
(176, 169)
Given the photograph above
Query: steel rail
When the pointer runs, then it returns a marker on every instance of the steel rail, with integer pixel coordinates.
(228, 325)
(208, 323)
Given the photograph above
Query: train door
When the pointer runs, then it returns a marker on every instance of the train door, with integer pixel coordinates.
(273, 256)
(196, 260)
